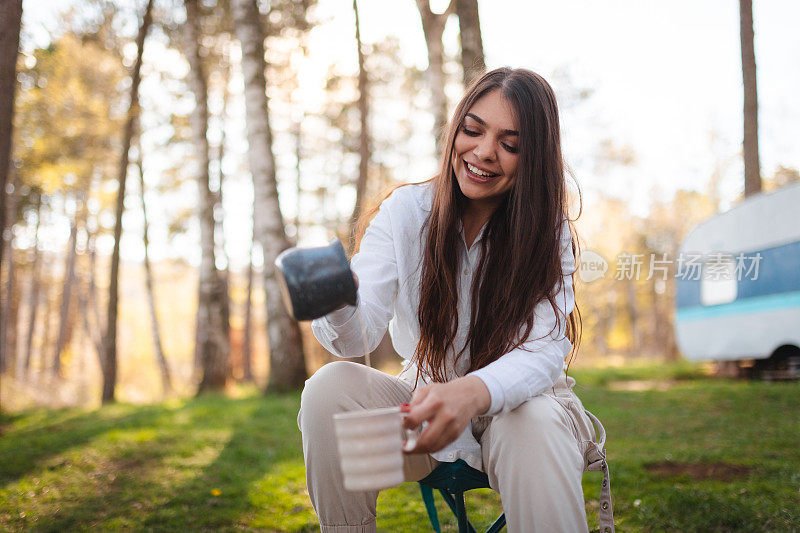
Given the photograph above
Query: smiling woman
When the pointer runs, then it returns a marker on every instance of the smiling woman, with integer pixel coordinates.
(472, 273)
(485, 157)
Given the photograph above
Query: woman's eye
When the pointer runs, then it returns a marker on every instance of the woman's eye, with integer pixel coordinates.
(512, 149)
(470, 132)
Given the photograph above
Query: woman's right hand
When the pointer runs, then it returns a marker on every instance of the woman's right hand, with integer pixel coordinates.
(448, 408)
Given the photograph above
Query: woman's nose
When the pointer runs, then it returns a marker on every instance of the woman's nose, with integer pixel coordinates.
(484, 149)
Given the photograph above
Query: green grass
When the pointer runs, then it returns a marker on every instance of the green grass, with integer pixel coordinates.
(220, 463)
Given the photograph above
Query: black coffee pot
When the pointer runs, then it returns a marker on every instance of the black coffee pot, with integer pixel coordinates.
(315, 281)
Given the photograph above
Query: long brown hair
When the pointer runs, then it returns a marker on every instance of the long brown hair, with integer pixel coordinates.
(520, 261)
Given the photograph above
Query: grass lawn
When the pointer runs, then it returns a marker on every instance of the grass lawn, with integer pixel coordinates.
(687, 453)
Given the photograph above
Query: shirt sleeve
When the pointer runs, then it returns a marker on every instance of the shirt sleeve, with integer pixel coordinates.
(342, 332)
(535, 366)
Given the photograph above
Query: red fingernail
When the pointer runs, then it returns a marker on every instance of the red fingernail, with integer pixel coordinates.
(404, 407)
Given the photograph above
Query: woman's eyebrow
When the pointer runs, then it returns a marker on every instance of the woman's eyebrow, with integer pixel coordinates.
(482, 122)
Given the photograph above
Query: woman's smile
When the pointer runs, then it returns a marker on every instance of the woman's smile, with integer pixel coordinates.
(485, 150)
(479, 174)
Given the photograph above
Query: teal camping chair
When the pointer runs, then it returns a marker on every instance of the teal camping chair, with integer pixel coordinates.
(452, 480)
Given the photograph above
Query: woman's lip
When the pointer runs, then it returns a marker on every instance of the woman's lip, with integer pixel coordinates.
(479, 167)
(475, 177)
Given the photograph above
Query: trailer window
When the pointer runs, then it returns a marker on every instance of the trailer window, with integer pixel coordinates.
(718, 284)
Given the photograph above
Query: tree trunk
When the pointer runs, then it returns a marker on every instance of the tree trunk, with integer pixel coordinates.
(161, 359)
(213, 344)
(752, 166)
(298, 154)
(287, 364)
(93, 303)
(85, 297)
(12, 308)
(34, 295)
(7, 319)
(472, 60)
(224, 277)
(95, 340)
(47, 322)
(64, 317)
(432, 27)
(632, 307)
(110, 339)
(7, 352)
(10, 20)
(603, 327)
(247, 343)
(363, 141)
(670, 346)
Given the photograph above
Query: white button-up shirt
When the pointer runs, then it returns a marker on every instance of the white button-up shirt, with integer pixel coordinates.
(389, 269)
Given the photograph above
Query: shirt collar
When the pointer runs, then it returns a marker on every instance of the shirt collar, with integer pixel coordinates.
(477, 237)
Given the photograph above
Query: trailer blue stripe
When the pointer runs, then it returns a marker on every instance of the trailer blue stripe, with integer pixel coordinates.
(754, 304)
(778, 273)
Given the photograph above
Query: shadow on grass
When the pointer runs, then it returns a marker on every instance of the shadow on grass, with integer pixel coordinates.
(47, 434)
(224, 493)
(192, 467)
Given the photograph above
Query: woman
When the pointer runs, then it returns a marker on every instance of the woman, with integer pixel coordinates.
(472, 273)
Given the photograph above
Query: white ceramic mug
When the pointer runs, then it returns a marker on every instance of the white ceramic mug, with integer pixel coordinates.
(371, 444)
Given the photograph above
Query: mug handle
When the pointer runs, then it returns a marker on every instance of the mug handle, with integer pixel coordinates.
(410, 436)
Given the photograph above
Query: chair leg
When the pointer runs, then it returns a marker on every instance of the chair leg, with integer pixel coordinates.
(461, 513)
(448, 498)
(456, 503)
(498, 524)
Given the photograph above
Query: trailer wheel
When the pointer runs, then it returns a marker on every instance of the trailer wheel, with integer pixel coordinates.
(784, 363)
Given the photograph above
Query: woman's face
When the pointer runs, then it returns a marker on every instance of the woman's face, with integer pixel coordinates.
(485, 150)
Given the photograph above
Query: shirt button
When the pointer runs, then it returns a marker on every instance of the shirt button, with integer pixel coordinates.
(466, 272)
(451, 455)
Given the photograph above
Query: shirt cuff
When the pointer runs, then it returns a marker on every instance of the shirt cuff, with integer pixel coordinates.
(496, 393)
(339, 317)
(323, 329)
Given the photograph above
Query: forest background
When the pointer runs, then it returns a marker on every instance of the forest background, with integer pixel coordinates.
(164, 152)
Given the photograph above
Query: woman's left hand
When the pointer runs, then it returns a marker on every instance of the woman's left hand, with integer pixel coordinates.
(448, 408)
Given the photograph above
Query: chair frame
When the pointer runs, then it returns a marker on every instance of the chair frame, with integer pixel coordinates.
(452, 480)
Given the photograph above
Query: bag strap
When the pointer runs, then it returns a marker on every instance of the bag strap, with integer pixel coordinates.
(600, 431)
(596, 457)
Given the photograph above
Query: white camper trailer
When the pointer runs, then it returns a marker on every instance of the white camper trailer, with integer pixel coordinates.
(738, 286)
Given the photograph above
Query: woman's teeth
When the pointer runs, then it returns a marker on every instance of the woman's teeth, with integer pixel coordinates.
(479, 172)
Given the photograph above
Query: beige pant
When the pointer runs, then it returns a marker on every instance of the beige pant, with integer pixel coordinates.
(533, 455)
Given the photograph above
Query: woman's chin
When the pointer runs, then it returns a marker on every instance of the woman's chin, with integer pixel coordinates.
(475, 191)
(482, 196)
